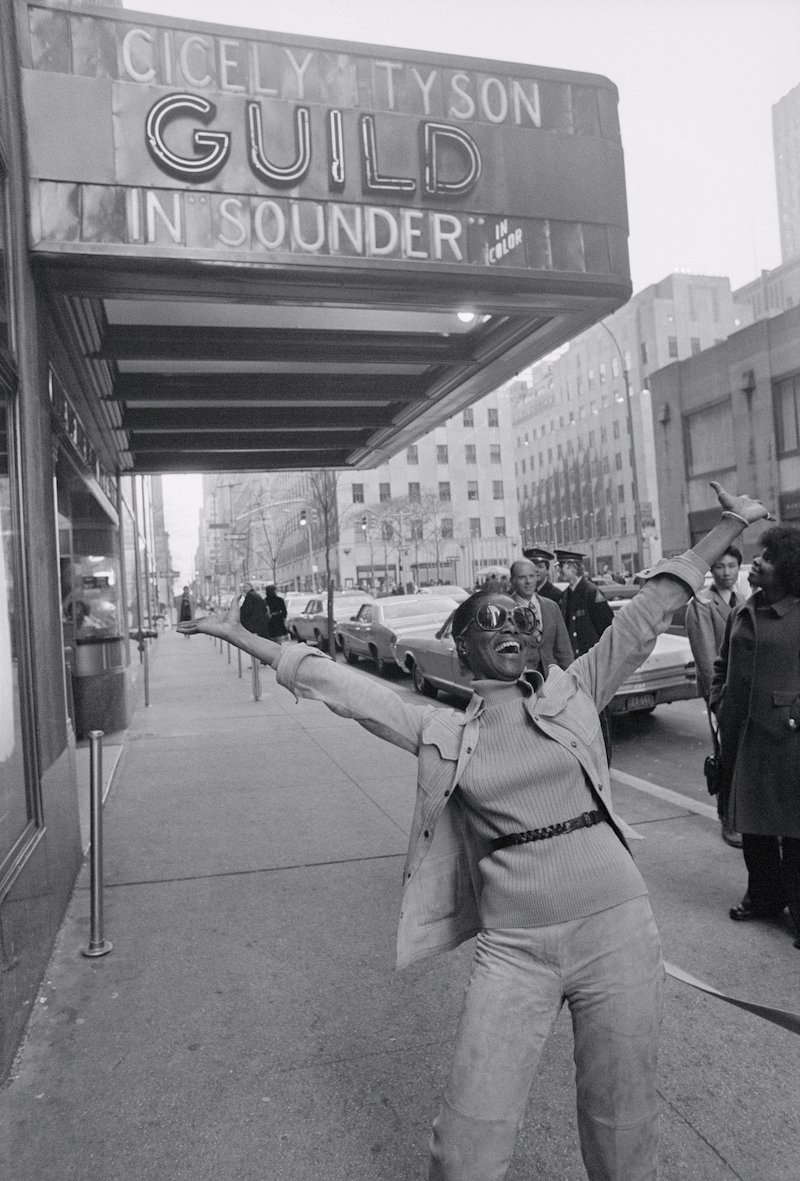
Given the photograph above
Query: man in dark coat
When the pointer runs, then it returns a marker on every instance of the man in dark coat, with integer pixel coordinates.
(554, 646)
(755, 692)
(253, 612)
(276, 607)
(584, 607)
(587, 615)
(706, 618)
(542, 559)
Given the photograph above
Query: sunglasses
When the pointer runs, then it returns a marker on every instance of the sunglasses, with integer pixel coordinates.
(491, 617)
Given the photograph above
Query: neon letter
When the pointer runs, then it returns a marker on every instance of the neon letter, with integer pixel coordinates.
(373, 181)
(432, 134)
(201, 167)
(279, 176)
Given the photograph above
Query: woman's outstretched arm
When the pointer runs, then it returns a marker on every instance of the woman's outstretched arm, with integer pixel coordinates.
(230, 629)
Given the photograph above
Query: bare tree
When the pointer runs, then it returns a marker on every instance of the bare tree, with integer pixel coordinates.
(272, 536)
(323, 504)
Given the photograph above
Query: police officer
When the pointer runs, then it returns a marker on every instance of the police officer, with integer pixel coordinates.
(542, 559)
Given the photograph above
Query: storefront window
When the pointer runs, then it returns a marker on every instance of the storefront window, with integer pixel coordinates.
(14, 808)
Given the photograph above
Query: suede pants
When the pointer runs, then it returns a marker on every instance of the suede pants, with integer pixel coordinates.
(608, 968)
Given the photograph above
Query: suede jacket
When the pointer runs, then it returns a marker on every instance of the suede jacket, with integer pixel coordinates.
(441, 878)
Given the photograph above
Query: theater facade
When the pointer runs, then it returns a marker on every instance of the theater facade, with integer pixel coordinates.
(231, 250)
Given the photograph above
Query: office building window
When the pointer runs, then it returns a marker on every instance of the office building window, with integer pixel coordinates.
(616, 429)
(623, 524)
(472, 489)
(494, 453)
(643, 348)
(621, 493)
(787, 414)
(474, 526)
(387, 530)
(672, 346)
(708, 437)
(523, 467)
(695, 342)
(469, 453)
(602, 370)
(469, 417)
(493, 416)
(416, 530)
(497, 489)
(412, 455)
(499, 526)
(444, 489)
(358, 494)
(413, 491)
(446, 527)
(384, 492)
(618, 462)
(615, 366)
(441, 453)
(605, 465)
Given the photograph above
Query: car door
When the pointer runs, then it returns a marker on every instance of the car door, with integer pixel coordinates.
(359, 630)
(305, 622)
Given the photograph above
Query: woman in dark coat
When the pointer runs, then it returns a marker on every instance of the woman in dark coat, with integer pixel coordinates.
(253, 612)
(185, 607)
(277, 613)
(755, 692)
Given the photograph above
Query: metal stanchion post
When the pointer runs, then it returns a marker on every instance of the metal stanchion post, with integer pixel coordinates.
(256, 667)
(146, 658)
(239, 654)
(97, 944)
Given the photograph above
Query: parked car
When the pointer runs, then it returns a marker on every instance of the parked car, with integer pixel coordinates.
(311, 624)
(449, 590)
(380, 624)
(668, 674)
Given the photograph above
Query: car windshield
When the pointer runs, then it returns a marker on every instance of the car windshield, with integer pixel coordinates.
(425, 605)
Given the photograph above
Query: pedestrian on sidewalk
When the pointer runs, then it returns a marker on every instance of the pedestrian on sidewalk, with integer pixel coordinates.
(253, 612)
(587, 614)
(755, 692)
(276, 606)
(515, 840)
(706, 617)
(185, 607)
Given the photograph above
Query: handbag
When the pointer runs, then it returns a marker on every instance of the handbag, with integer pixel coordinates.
(712, 768)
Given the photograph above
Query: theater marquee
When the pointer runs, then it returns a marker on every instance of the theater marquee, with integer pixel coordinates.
(274, 251)
(187, 141)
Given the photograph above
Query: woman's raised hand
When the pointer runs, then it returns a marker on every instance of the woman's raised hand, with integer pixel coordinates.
(210, 625)
(743, 506)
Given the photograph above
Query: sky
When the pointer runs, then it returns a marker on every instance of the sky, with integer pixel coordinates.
(697, 80)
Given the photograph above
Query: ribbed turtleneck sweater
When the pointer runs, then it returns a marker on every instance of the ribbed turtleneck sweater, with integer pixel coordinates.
(520, 779)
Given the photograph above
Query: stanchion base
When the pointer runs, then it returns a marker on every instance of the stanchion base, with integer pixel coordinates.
(101, 949)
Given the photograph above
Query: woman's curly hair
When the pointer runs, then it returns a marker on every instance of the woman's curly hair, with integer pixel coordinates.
(781, 545)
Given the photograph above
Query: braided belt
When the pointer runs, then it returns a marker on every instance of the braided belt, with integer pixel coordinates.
(585, 820)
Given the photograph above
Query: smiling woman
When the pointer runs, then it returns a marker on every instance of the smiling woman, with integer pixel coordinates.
(525, 765)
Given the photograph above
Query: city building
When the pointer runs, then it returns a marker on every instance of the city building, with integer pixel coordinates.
(441, 510)
(786, 143)
(770, 294)
(584, 447)
(730, 414)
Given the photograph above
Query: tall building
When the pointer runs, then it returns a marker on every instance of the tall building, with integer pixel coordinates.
(439, 511)
(772, 293)
(786, 141)
(584, 451)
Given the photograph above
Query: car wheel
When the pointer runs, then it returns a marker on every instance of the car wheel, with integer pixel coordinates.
(321, 643)
(421, 683)
(349, 656)
(381, 666)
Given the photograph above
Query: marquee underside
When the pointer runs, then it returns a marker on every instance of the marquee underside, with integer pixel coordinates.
(212, 369)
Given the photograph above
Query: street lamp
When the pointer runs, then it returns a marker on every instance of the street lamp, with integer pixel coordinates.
(637, 526)
(305, 521)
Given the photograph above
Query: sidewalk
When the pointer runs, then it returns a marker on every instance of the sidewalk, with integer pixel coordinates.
(249, 1022)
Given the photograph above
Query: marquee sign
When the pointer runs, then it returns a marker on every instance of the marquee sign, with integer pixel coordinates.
(161, 138)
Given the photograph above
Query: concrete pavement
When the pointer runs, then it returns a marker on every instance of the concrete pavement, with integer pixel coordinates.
(249, 1022)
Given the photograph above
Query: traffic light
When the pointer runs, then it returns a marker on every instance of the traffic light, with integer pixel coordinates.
(364, 524)
(303, 517)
